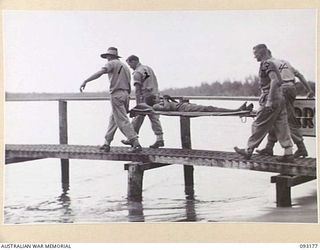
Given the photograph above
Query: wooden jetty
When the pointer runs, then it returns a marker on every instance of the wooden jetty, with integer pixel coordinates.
(289, 175)
(22, 152)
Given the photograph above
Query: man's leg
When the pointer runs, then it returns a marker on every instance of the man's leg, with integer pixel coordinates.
(157, 129)
(191, 107)
(282, 131)
(260, 127)
(289, 93)
(120, 101)
(272, 139)
(295, 126)
(136, 123)
(112, 128)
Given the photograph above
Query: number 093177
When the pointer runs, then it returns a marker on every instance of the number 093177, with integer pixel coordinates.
(308, 245)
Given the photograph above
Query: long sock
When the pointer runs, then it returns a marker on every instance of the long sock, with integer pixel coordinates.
(159, 137)
(288, 151)
(270, 144)
(135, 142)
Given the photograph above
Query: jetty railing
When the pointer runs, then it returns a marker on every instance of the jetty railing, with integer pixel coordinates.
(100, 96)
(305, 109)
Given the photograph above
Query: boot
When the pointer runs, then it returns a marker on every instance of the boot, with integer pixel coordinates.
(157, 144)
(247, 153)
(126, 142)
(265, 151)
(301, 151)
(285, 159)
(268, 150)
(105, 148)
(136, 147)
(243, 106)
(250, 107)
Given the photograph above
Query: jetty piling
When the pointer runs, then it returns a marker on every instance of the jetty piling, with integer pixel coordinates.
(135, 178)
(135, 181)
(63, 139)
(283, 187)
(186, 144)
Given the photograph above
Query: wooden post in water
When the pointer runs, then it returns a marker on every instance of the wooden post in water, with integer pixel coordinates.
(135, 181)
(283, 187)
(63, 138)
(186, 143)
(283, 191)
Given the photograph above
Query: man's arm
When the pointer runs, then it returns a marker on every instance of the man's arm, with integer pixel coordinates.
(305, 84)
(274, 85)
(93, 77)
(166, 106)
(137, 82)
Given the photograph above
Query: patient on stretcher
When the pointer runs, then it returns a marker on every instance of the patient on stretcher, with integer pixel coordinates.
(167, 103)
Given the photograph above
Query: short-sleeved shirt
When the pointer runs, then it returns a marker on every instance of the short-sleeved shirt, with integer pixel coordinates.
(266, 67)
(146, 78)
(287, 72)
(119, 75)
(184, 107)
(171, 106)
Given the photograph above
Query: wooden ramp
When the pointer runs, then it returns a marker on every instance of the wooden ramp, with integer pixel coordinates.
(22, 152)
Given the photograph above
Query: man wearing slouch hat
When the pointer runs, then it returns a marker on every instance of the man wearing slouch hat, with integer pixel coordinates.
(119, 77)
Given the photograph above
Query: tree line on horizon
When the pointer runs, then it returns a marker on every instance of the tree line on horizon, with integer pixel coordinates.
(249, 87)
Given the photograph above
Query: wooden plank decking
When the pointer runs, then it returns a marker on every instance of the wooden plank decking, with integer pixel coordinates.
(305, 167)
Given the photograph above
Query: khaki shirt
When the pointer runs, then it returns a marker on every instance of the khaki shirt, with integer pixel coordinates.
(146, 78)
(265, 68)
(287, 72)
(119, 75)
(168, 106)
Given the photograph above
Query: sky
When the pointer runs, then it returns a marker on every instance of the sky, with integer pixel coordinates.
(55, 51)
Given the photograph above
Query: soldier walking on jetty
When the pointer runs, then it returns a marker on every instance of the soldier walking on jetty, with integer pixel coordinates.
(119, 77)
(288, 86)
(146, 84)
(272, 111)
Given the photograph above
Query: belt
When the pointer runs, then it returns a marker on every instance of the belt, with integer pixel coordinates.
(116, 90)
(288, 80)
(288, 83)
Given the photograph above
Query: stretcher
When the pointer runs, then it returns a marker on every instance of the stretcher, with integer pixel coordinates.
(243, 113)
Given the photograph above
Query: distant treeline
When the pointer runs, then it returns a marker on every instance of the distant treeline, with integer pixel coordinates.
(250, 87)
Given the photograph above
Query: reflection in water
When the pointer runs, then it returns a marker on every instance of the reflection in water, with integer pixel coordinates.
(189, 192)
(135, 209)
(136, 213)
(191, 211)
(65, 201)
(190, 204)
